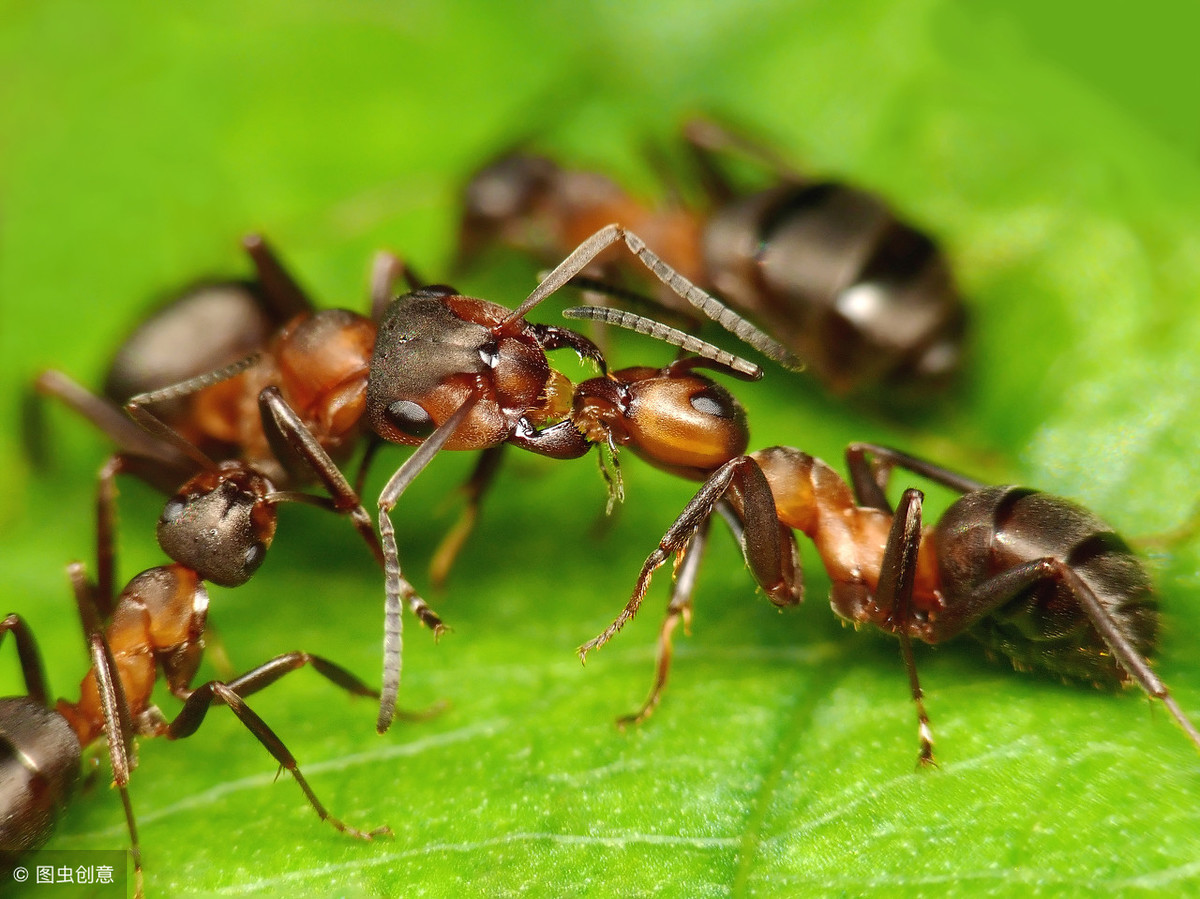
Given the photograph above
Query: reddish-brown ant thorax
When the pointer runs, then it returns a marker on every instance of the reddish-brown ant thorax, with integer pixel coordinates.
(323, 360)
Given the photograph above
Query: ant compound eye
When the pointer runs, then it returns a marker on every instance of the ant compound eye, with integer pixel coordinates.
(254, 557)
(706, 402)
(173, 510)
(489, 352)
(410, 418)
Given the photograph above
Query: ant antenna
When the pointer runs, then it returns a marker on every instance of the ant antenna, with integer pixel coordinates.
(631, 321)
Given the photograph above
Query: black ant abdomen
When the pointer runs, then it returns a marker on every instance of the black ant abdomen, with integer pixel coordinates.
(40, 760)
(863, 297)
(1000, 529)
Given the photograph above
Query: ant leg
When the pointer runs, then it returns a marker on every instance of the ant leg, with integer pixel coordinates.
(583, 255)
(475, 488)
(775, 569)
(364, 465)
(281, 295)
(552, 337)
(1000, 589)
(31, 660)
(386, 270)
(870, 478)
(118, 729)
(897, 571)
(678, 609)
(157, 462)
(118, 721)
(106, 526)
(396, 586)
(294, 444)
(265, 675)
(198, 702)
(705, 139)
(136, 407)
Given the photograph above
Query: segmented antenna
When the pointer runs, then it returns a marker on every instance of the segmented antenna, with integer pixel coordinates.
(631, 321)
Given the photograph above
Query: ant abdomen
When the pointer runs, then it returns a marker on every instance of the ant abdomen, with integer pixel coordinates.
(206, 327)
(39, 770)
(1000, 529)
(862, 296)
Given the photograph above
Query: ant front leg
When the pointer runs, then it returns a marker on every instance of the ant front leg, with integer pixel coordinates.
(396, 586)
(476, 487)
(678, 609)
(766, 545)
(230, 694)
(295, 446)
(118, 720)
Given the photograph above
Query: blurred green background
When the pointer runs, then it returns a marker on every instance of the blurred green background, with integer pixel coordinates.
(1055, 155)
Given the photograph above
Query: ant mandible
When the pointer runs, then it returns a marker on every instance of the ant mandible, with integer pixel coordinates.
(863, 297)
(1031, 576)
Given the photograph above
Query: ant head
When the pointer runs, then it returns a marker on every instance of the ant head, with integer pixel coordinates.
(437, 350)
(220, 524)
(502, 201)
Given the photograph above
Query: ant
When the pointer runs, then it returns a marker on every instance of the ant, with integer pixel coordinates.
(1031, 576)
(154, 628)
(459, 373)
(863, 297)
(444, 371)
(203, 360)
(304, 375)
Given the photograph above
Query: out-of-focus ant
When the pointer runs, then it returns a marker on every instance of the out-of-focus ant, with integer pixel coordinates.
(866, 300)
(154, 628)
(1031, 576)
(202, 361)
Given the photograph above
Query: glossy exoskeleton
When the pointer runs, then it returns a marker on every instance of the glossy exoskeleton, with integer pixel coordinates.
(277, 414)
(1031, 576)
(202, 362)
(865, 299)
(454, 372)
(467, 373)
(154, 628)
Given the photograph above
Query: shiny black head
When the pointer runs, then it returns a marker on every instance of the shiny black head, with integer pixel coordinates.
(220, 525)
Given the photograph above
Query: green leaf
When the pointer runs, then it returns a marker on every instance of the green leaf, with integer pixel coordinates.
(140, 141)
